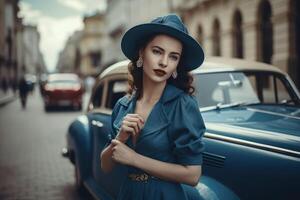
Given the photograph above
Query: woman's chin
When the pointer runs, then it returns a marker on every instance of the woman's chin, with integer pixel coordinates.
(157, 79)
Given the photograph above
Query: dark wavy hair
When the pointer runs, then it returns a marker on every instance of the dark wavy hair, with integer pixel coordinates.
(183, 80)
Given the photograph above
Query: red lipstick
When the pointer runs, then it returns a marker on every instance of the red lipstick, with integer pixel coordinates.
(159, 72)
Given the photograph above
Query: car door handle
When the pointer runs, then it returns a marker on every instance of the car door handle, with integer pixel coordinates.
(97, 123)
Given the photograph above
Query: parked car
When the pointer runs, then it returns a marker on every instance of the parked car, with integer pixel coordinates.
(252, 114)
(63, 89)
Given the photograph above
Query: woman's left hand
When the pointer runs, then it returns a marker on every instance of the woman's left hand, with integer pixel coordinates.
(122, 153)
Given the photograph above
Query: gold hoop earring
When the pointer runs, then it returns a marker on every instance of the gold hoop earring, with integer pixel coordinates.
(174, 74)
(139, 62)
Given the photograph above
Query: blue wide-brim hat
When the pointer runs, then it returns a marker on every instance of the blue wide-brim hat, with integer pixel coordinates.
(192, 54)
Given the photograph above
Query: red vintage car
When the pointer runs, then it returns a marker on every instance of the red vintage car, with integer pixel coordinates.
(63, 90)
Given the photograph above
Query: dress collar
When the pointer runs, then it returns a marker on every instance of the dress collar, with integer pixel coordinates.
(170, 92)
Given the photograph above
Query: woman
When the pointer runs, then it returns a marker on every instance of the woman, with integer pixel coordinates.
(158, 127)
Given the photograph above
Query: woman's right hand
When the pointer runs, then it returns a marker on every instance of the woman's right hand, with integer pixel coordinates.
(131, 126)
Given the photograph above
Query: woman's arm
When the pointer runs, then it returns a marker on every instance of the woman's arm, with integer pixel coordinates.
(167, 171)
(131, 126)
(107, 163)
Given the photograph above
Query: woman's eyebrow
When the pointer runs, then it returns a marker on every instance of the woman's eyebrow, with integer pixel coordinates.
(164, 50)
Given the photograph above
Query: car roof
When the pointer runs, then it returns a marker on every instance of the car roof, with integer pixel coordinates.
(219, 64)
(117, 68)
(211, 64)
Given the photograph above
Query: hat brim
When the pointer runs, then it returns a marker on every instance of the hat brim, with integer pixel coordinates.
(192, 55)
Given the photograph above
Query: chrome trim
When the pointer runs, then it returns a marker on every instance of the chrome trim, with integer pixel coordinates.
(208, 192)
(273, 113)
(253, 144)
(239, 130)
(83, 119)
(97, 123)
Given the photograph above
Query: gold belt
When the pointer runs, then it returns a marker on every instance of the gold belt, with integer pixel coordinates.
(140, 177)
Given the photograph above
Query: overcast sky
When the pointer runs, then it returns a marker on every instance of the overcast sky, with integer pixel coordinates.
(56, 21)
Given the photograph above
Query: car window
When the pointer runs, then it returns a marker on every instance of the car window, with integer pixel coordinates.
(240, 87)
(283, 94)
(97, 97)
(223, 88)
(270, 87)
(116, 90)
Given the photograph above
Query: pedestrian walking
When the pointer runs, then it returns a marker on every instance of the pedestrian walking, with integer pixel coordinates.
(157, 127)
(23, 91)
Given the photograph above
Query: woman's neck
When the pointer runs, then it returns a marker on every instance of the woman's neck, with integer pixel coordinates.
(152, 91)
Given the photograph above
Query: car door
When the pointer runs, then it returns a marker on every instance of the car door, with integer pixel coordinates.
(111, 90)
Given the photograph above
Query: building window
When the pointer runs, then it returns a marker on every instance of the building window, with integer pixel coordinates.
(77, 60)
(296, 67)
(216, 38)
(237, 36)
(95, 58)
(265, 32)
(200, 35)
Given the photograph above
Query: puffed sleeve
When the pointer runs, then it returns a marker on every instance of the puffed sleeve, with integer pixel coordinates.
(187, 131)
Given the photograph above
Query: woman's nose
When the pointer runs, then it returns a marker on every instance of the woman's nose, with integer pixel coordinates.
(163, 61)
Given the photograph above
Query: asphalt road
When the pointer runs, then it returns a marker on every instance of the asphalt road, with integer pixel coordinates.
(31, 165)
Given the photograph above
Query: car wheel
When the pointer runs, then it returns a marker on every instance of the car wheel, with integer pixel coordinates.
(46, 108)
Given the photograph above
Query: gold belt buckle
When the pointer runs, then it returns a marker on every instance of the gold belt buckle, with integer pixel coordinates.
(139, 177)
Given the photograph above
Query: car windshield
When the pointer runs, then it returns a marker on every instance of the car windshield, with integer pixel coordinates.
(63, 82)
(225, 89)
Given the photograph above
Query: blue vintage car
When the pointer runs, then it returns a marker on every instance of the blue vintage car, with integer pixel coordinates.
(252, 115)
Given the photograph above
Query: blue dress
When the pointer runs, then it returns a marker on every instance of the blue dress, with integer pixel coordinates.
(172, 133)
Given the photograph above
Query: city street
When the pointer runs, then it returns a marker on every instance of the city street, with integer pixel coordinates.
(31, 165)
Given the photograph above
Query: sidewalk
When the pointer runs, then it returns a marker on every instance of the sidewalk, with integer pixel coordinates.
(6, 97)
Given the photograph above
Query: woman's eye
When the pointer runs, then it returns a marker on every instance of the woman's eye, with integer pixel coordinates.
(175, 58)
(155, 51)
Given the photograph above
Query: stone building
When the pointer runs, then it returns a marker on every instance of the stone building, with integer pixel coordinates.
(19, 47)
(121, 15)
(116, 23)
(262, 30)
(98, 45)
(92, 42)
(69, 57)
(8, 24)
(84, 50)
(33, 62)
(2, 35)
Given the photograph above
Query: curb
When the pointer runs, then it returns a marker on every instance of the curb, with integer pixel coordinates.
(6, 100)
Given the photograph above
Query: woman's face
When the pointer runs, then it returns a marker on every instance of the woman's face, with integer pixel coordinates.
(161, 57)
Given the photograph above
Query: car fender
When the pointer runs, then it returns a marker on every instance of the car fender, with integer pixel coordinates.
(79, 141)
(211, 189)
